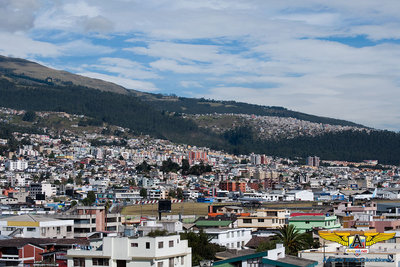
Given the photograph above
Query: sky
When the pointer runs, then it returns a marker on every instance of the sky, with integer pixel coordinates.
(337, 59)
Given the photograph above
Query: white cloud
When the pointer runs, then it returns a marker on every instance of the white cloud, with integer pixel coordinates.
(18, 45)
(126, 68)
(127, 83)
(17, 15)
(84, 48)
(189, 84)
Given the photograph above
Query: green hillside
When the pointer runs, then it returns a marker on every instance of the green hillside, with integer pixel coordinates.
(204, 106)
(160, 116)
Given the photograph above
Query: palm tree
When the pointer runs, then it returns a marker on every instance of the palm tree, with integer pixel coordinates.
(292, 239)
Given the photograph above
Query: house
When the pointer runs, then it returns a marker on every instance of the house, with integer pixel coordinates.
(299, 195)
(26, 251)
(271, 258)
(264, 219)
(229, 238)
(36, 226)
(89, 219)
(309, 221)
(160, 251)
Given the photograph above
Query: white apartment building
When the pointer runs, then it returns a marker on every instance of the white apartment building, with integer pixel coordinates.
(36, 226)
(299, 195)
(45, 188)
(161, 251)
(229, 238)
(16, 165)
(48, 189)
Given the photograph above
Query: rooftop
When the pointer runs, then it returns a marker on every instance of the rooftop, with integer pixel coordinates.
(28, 218)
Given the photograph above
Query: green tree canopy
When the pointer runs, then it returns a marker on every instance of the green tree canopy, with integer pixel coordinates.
(292, 239)
(143, 192)
(202, 248)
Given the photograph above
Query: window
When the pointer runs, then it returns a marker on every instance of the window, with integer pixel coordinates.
(160, 264)
(246, 220)
(79, 262)
(100, 262)
(260, 220)
(31, 229)
(134, 245)
(171, 262)
(58, 230)
(238, 244)
(182, 260)
(43, 231)
(69, 228)
(307, 222)
(147, 245)
(171, 243)
(9, 228)
(160, 244)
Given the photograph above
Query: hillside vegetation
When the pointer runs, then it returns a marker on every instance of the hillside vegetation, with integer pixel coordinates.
(141, 118)
(162, 117)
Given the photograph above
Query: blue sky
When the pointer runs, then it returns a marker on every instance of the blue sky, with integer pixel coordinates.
(331, 58)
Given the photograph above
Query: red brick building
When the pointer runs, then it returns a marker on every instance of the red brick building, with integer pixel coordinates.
(232, 186)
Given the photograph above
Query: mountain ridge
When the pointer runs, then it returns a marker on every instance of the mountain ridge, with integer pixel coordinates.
(26, 72)
(152, 118)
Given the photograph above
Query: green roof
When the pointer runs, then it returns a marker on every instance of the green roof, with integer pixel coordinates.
(241, 258)
(225, 265)
(207, 223)
(313, 218)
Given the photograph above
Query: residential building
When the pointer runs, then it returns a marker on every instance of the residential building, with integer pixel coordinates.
(39, 251)
(16, 165)
(264, 219)
(160, 251)
(89, 219)
(229, 238)
(36, 226)
(307, 222)
(232, 186)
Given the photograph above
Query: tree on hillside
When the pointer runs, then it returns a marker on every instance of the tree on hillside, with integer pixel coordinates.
(29, 116)
(185, 166)
(169, 166)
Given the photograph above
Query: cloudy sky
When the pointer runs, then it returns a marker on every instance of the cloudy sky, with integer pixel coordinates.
(337, 58)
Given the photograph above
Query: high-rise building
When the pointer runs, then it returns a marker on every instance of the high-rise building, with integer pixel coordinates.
(313, 161)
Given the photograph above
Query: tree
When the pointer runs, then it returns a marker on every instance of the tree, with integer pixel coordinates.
(143, 167)
(29, 116)
(91, 197)
(179, 193)
(202, 248)
(185, 166)
(78, 179)
(292, 239)
(172, 193)
(169, 166)
(143, 192)
(267, 245)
